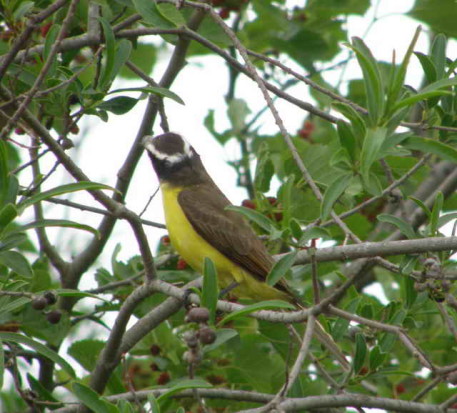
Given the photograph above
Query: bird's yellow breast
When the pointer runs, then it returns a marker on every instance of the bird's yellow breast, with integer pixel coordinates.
(193, 249)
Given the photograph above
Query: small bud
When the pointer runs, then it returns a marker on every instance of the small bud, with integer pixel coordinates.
(164, 378)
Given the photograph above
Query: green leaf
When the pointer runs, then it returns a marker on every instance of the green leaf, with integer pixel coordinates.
(404, 227)
(110, 42)
(171, 13)
(7, 214)
(151, 14)
(262, 305)
(39, 348)
(411, 100)
(439, 54)
(4, 180)
(43, 393)
(444, 219)
(12, 240)
(44, 223)
(280, 268)
(255, 216)
(347, 139)
(341, 325)
(237, 112)
(264, 170)
(422, 206)
(86, 352)
(360, 352)
(155, 407)
(333, 192)
(49, 42)
(118, 105)
(431, 146)
(357, 122)
(16, 262)
(408, 291)
(14, 305)
(159, 91)
(313, 233)
(427, 66)
(436, 210)
(376, 358)
(222, 336)
(184, 385)
(372, 144)
(372, 79)
(68, 292)
(89, 398)
(60, 190)
(210, 292)
(397, 82)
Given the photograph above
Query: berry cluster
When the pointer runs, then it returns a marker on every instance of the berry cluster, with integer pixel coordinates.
(228, 6)
(276, 206)
(40, 303)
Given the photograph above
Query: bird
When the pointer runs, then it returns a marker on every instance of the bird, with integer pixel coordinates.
(200, 226)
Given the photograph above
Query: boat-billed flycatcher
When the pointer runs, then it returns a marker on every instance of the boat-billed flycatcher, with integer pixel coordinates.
(200, 226)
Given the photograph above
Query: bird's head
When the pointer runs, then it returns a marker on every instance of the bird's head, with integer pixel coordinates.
(174, 159)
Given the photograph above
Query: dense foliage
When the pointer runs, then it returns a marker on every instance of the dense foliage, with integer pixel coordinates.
(371, 172)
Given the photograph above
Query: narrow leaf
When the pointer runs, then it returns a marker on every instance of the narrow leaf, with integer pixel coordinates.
(159, 91)
(184, 385)
(262, 305)
(7, 214)
(255, 216)
(39, 348)
(404, 227)
(444, 219)
(437, 207)
(151, 14)
(107, 70)
(89, 398)
(422, 206)
(210, 292)
(431, 146)
(347, 139)
(2, 364)
(60, 190)
(372, 144)
(280, 268)
(16, 262)
(427, 66)
(118, 105)
(56, 223)
(332, 194)
(360, 352)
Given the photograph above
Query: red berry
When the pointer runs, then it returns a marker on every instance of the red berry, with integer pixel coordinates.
(165, 240)
(247, 203)
(181, 264)
(215, 380)
(19, 131)
(154, 367)
(217, 3)
(164, 378)
(224, 13)
(307, 129)
(74, 129)
(363, 371)
(45, 28)
(400, 388)
(272, 200)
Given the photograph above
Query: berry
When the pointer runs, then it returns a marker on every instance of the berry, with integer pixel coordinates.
(39, 303)
(154, 367)
(19, 131)
(50, 297)
(272, 200)
(154, 349)
(224, 13)
(197, 315)
(247, 203)
(207, 335)
(400, 388)
(165, 240)
(74, 129)
(45, 28)
(307, 129)
(181, 264)
(363, 371)
(164, 378)
(66, 143)
(54, 316)
(215, 380)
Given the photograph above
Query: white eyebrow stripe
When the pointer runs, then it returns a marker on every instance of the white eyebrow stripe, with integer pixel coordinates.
(171, 159)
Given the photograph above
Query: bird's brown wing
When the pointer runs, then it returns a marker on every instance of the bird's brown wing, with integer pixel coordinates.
(227, 231)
